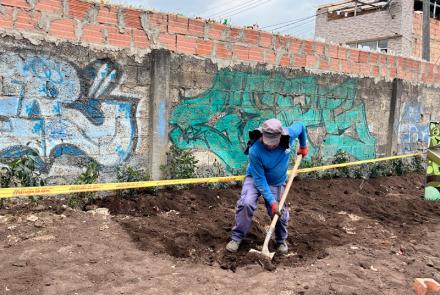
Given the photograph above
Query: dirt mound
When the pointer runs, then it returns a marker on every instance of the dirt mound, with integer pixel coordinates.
(195, 224)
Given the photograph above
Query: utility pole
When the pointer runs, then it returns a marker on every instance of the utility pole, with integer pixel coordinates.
(425, 30)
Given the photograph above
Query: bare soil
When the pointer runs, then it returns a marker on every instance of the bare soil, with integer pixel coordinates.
(345, 237)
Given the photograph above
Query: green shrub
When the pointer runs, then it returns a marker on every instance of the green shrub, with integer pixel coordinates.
(180, 164)
(21, 172)
(340, 158)
(90, 176)
(126, 173)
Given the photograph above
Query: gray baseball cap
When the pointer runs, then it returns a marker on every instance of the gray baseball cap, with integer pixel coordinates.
(272, 130)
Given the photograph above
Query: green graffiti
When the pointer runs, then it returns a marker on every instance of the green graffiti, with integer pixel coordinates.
(219, 119)
(432, 190)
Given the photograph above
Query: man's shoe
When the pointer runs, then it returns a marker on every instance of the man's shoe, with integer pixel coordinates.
(232, 246)
(282, 248)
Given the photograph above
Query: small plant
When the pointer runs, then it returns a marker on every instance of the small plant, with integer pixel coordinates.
(214, 170)
(127, 173)
(21, 172)
(315, 161)
(340, 158)
(180, 164)
(88, 177)
(418, 164)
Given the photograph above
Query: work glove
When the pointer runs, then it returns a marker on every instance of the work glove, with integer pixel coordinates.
(303, 151)
(274, 208)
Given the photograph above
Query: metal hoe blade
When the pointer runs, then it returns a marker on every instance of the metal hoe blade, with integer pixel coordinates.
(264, 252)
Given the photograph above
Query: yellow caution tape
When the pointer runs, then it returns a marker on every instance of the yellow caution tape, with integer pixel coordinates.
(79, 188)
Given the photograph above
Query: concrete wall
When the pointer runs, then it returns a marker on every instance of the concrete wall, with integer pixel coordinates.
(107, 97)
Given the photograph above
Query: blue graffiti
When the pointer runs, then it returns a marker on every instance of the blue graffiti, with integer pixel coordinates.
(413, 132)
(46, 103)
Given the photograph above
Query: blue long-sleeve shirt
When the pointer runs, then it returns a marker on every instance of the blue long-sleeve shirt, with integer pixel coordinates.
(269, 167)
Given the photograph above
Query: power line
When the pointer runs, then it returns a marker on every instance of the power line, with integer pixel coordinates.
(298, 19)
(250, 7)
(233, 8)
(215, 7)
(300, 25)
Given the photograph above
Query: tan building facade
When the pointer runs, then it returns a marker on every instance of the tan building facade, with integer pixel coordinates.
(387, 26)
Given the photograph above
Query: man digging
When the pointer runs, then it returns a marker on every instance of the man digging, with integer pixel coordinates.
(269, 155)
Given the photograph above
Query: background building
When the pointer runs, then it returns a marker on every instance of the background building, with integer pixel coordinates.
(393, 26)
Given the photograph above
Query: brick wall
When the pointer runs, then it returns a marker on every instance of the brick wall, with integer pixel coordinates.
(81, 81)
(417, 37)
(124, 28)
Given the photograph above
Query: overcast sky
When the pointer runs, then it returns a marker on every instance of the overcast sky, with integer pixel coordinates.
(244, 12)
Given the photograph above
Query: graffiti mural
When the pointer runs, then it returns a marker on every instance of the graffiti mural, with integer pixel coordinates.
(413, 131)
(219, 119)
(60, 109)
(432, 189)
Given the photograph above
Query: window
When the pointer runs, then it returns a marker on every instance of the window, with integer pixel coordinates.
(434, 7)
(376, 45)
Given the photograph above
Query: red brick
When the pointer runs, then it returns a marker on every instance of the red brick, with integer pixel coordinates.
(204, 47)
(196, 28)
(269, 56)
(92, 33)
(6, 18)
(299, 61)
(235, 34)
(216, 31)
(256, 54)
(365, 69)
(177, 24)
(158, 21)
(115, 38)
(15, 3)
(334, 64)
(241, 52)
(308, 48)
(345, 66)
(354, 55)
(251, 37)
(223, 52)
(186, 44)
(355, 68)
(383, 59)
(393, 72)
(374, 57)
(295, 46)
(375, 71)
(363, 57)
(342, 53)
(323, 64)
(64, 28)
(132, 19)
(311, 61)
(26, 20)
(281, 41)
(78, 9)
(285, 61)
(333, 51)
(265, 39)
(319, 48)
(107, 15)
(49, 6)
(391, 60)
(168, 41)
(140, 39)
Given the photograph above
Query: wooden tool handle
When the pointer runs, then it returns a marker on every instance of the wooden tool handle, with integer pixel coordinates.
(283, 199)
(289, 182)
